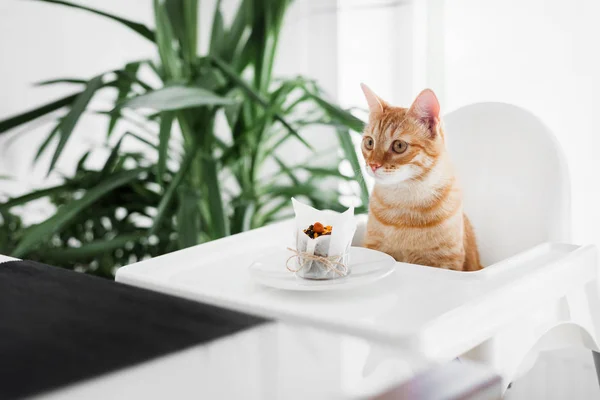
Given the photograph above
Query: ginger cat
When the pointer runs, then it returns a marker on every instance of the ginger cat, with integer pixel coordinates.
(415, 210)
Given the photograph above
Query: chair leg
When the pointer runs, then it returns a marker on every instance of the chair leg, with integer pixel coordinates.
(597, 364)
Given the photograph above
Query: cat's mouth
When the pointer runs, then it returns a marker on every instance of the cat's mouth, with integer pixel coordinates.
(381, 174)
(392, 176)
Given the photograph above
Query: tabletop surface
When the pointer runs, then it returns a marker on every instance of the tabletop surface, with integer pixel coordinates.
(4, 258)
(270, 361)
(437, 312)
(58, 326)
(66, 335)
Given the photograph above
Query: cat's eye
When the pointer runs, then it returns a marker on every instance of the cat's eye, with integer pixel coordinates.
(368, 142)
(399, 146)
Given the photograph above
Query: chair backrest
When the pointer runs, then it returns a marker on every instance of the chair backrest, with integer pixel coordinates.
(514, 178)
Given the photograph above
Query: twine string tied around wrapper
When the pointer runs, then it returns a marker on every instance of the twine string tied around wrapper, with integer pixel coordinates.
(332, 263)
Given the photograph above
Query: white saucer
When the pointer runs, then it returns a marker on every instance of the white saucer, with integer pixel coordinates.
(366, 266)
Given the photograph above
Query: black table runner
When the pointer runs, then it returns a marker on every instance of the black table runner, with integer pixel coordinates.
(59, 327)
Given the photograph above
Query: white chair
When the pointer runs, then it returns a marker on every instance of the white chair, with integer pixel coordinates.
(514, 177)
(517, 195)
(537, 291)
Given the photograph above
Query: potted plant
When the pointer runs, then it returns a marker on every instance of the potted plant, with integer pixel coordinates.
(203, 179)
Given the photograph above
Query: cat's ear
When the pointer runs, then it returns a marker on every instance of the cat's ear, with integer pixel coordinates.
(426, 108)
(376, 105)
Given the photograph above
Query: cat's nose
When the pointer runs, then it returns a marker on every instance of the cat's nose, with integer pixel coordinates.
(374, 166)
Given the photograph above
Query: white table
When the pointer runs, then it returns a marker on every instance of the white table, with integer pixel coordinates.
(4, 258)
(279, 360)
(275, 360)
(269, 360)
(497, 315)
(282, 361)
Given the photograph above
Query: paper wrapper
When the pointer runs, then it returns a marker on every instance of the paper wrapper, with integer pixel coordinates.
(334, 246)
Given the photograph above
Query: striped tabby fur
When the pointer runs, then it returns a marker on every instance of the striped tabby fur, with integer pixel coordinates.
(415, 212)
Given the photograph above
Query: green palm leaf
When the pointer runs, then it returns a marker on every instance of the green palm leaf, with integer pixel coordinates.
(188, 218)
(338, 114)
(28, 116)
(67, 213)
(177, 97)
(172, 189)
(46, 142)
(92, 249)
(37, 194)
(183, 15)
(255, 96)
(125, 81)
(165, 38)
(61, 80)
(217, 35)
(346, 141)
(166, 124)
(68, 122)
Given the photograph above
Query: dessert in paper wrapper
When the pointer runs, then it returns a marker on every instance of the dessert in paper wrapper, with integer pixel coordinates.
(333, 242)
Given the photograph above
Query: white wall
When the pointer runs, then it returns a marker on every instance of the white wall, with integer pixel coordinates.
(40, 41)
(541, 55)
(375, 47)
